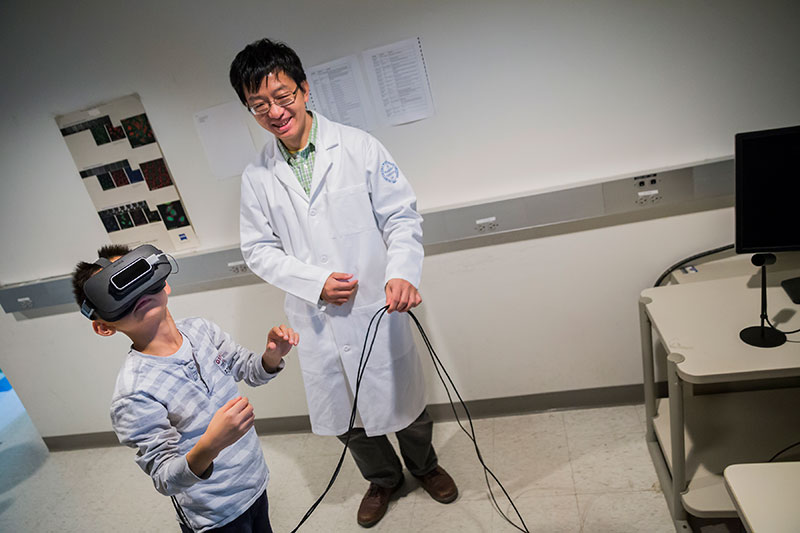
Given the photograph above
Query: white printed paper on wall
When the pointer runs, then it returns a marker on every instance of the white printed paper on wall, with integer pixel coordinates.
(399, 81)
(125, 173)
(338, 91)
(225, 138)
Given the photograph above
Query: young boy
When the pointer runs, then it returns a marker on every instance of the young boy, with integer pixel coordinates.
(177, 403)
(328, 217)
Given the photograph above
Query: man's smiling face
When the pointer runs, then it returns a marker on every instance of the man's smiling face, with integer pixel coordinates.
(291, 123)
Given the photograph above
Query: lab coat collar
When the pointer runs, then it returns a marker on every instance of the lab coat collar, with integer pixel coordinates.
(327, 141)
(281, 168)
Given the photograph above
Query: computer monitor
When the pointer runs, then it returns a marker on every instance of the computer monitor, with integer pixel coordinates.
(767, 211)
(768, 190)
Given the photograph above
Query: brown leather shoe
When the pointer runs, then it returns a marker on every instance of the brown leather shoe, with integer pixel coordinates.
(374, 504)
(439, 485)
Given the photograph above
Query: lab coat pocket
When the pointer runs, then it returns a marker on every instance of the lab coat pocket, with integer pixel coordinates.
(350, 211)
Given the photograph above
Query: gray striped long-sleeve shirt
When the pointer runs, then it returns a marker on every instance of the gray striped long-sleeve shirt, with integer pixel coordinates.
(162, 405)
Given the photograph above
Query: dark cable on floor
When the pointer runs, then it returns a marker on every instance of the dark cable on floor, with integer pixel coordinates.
(362, 365)
(437, 364)
(692, 258)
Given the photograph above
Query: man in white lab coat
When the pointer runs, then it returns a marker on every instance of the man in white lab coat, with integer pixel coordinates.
(328, 217)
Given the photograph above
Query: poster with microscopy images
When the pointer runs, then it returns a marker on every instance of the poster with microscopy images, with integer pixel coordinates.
(125, 173)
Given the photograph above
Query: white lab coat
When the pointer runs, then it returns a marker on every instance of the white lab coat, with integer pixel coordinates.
(360, 219)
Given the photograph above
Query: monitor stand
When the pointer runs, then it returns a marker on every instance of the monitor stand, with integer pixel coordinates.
(763, 336)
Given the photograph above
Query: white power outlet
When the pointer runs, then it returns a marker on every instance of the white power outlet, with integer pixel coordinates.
(238, 267)
(486, 225)
(648, 190)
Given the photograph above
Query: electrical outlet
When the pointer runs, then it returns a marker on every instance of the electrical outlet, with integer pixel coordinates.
(648, 190)
(25, 303)
(486, 225)
(238, 267)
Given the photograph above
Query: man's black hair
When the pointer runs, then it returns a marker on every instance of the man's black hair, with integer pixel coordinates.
(260, 59)
(83, 271)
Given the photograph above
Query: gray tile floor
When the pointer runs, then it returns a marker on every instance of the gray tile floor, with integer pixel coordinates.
(568, 471)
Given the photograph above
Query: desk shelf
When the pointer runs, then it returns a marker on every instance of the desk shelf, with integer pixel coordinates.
(725, 429)
(774, 510)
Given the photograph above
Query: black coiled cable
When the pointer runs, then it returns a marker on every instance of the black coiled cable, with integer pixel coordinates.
(437, 364)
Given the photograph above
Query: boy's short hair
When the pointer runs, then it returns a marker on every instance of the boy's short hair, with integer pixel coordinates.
(258, 60)
(83, 271)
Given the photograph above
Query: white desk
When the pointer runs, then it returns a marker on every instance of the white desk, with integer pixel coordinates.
(728, 264)
(766, 495)
(693, 438)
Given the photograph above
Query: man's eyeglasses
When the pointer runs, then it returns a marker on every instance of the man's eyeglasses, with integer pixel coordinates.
(262, 108)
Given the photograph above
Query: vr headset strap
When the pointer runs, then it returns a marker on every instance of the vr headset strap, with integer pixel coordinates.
(86, 309)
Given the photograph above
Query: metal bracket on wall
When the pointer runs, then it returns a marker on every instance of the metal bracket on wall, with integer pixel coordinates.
(636, 192)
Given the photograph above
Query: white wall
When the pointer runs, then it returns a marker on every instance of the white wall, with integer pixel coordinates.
(529, 96)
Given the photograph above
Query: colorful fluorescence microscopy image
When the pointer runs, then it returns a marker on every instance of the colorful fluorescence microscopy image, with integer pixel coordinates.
(101, 129)
(109, 221)
(106, 182)
(125, 221)
(173, 215)
(134, 175)
(120, 178)
(156, 174)
(152, 216)
(100, 134)
(138, 216)
(116, 133)
(138, 130)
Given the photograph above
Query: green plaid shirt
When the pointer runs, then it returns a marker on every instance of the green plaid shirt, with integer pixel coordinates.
(302, 161)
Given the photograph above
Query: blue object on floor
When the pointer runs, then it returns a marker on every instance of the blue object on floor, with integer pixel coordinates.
(4, 384)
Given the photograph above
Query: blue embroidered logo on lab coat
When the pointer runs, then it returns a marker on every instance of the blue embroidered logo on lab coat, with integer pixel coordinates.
(389, 171)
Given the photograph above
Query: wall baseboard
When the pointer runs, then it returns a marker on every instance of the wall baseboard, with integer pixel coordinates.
(508, 406)
(548, 401)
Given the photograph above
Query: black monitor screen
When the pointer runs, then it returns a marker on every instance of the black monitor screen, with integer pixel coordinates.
(768, 190)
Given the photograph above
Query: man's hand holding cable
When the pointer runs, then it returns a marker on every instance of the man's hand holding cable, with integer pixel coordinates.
(338, 288)
(280, 340)
(401, 295)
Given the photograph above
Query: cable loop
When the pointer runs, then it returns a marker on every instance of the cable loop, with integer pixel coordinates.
(437, 364)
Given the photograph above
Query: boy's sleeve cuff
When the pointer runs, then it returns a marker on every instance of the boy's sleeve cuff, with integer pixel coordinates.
(265, 375)
(186, 478)
(208, 472)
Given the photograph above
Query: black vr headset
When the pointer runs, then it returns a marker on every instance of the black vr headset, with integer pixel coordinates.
(113, 292)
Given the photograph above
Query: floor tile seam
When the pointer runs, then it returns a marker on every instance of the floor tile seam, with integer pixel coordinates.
(495, 509)
(574, 482)
(544, 491)
(581, 516)
(497, 516)
(569, 456)
(573, 449)
(617, 492)
(516, 440)
(616, 433)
